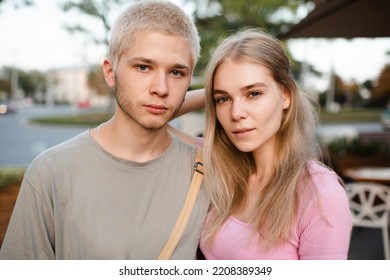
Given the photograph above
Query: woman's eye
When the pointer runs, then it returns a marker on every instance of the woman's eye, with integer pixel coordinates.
(254, 93)
(221, 100)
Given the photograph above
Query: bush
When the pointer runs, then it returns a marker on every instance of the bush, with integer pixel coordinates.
(10, 175)
(355, 146)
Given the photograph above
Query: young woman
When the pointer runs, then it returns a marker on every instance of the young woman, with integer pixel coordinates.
(271, 196)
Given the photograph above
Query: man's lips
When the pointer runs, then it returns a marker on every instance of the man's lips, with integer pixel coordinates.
(156, 108)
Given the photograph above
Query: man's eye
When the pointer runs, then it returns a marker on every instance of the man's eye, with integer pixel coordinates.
(142, 67)
(176, 73)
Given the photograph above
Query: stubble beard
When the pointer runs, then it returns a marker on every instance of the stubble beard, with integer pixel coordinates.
(129, 109)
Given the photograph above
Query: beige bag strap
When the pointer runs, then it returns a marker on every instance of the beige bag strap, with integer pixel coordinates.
(182, 220)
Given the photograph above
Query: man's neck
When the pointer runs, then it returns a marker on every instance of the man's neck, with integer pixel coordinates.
(131, 142)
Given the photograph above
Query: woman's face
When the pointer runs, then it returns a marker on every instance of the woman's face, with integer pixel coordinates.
(249, 104)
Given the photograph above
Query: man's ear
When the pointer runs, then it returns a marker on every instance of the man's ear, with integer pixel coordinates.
(109, 74)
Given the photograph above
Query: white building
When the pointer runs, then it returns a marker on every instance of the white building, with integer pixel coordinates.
(70, 85)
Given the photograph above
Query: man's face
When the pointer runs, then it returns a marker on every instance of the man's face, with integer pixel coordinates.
(152, 78)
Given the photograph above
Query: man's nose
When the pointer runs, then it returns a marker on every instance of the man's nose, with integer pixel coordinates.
(160, 84)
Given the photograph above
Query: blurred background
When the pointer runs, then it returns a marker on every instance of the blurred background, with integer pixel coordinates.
(52, 86)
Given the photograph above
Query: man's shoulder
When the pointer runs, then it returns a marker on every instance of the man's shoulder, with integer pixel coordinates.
(68, 148)
(182, 146)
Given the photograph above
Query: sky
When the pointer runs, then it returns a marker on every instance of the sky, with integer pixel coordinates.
(34, 38)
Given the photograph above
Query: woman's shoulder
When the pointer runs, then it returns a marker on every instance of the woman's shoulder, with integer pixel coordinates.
(319, 169)
(324, 179)
(315, 167)
(325, 190)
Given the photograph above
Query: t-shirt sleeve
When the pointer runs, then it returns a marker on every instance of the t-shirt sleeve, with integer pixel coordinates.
(30, 231)
(325, 227)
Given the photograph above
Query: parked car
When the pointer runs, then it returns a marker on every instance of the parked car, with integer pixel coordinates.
(7, 108)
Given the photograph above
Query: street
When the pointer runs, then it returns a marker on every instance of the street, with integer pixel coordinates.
(20, 141)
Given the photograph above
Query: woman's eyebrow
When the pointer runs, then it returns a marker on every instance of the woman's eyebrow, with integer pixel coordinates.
(248, 87)
(219, 91)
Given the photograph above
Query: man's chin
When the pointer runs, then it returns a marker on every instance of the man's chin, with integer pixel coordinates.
(154, 125)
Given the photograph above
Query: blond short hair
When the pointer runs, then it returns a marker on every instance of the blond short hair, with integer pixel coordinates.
(161, 16)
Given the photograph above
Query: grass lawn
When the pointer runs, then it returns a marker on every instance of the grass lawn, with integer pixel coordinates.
(9, 175)
(88, 119)
(351, 115)
(344, 116)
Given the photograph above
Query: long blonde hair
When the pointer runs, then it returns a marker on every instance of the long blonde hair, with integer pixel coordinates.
(228, 169)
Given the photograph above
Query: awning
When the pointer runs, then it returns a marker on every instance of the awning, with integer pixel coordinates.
(344, 19)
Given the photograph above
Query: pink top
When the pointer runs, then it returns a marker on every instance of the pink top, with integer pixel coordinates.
(313, 237)
(199, 141)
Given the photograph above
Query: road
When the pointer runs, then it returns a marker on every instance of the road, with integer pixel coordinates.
(21, 141)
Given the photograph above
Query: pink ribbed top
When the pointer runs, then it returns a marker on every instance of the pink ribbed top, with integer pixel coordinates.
(314, 238)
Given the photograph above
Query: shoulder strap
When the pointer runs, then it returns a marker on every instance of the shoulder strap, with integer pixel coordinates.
(182, 220)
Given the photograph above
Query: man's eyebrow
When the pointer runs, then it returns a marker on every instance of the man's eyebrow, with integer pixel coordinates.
(141, 59)
(181, 66)
(152, 61)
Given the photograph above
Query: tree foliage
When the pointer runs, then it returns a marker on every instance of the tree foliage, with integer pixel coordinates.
(98, 10)
(19, 3)
(5, 88)
(32, 82)
(96, 81)
(218, 18)
(221, 18)
(380, 93)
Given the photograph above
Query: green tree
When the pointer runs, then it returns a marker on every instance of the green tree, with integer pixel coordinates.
(353, 95)
(31, 82)
(97, 10)
(380, 94)
(214, 19)
(5, 88)
(218, 18)
(96, 81)
(5, 82)
(18, 3)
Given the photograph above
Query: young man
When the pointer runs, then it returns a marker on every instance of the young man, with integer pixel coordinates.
(115, 192)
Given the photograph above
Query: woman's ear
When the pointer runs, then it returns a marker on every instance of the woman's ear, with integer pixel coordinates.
(287, 99)
(109, 74)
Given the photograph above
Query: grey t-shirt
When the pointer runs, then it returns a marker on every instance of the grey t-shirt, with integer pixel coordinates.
(79, 202)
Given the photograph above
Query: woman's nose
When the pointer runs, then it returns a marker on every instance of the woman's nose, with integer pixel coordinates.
(238, 111)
